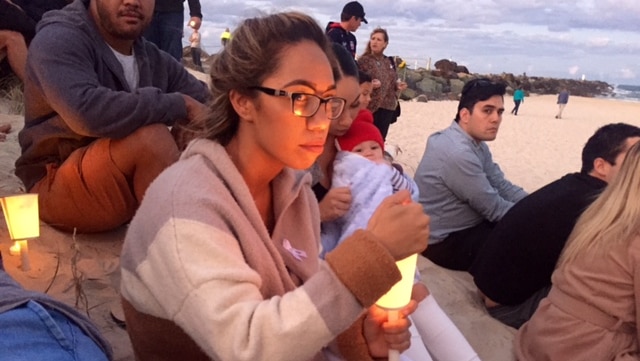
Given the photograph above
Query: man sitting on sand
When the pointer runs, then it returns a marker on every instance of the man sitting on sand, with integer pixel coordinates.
(513, 269)
(99, 100)
(461, 188)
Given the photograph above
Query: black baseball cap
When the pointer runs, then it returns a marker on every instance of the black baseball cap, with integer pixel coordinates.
(354, 9)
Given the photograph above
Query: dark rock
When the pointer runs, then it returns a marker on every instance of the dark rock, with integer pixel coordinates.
(445, 65)
(408, 94)
(461, 69)
(422, 98)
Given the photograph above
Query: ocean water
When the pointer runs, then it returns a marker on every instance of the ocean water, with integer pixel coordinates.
(626, 92)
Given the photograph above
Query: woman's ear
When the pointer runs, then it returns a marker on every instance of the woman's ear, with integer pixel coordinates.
(243, 105)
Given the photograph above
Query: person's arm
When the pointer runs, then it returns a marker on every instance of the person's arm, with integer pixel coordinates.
(196, 14)
(464, 175)
(399, 181)
(505, 188)
(65, 74)
(203, 300)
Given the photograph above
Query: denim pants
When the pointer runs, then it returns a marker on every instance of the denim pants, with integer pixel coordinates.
(31, 332)
(165, 31)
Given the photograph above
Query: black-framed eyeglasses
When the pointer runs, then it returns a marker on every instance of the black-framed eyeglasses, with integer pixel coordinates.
(307, 105)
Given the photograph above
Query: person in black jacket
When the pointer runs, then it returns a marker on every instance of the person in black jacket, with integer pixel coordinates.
(350, 20)
(513, 269)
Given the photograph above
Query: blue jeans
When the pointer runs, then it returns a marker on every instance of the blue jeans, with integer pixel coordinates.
(31, 332)
(165, 31)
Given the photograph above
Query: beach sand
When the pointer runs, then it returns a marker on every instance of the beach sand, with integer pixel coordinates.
(532, 149)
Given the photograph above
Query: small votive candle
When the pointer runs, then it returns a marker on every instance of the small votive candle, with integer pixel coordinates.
(15, 249)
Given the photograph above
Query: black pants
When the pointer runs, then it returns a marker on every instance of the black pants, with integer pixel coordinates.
(195, 56)
(516, 316)
(516, 107)
(458, 251)
(382, 118)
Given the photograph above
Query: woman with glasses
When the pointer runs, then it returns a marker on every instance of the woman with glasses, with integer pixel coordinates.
(386, 84)
(335, 202)
(221, 260)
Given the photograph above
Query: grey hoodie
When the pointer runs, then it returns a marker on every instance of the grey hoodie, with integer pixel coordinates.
(76, 91)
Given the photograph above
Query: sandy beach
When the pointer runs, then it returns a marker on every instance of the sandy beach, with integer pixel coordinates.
(532, 149)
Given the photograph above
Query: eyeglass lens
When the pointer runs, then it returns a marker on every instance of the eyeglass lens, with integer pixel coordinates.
(306, 105)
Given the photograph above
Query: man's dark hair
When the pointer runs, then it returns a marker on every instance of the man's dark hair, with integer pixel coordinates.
(478, 90)
(607, 143)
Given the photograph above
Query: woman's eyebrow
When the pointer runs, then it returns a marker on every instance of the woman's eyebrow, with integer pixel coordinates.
(308, 84)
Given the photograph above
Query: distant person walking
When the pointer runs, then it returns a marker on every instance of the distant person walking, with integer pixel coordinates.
(351, 18)
(563, 99)
(194, 39)
(518, 97)
(225, 37)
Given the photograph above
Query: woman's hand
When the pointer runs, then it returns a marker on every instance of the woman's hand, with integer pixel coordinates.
(401, 85)
(335, 204)
(382, 335)
(400, 225)
(376, 83)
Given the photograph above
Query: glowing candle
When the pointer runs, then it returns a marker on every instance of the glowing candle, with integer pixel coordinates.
(15, 249)
(21, 215)
(400, 294)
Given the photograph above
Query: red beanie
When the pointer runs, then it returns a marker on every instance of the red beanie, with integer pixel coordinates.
(362, 129)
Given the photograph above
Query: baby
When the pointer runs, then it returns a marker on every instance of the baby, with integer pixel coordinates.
(364, 167)
(361, 165)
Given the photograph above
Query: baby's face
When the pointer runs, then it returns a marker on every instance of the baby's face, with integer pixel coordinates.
(365, 94)
(371, 150)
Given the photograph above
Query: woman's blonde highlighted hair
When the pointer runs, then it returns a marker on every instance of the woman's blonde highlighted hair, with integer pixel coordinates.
(253, 54)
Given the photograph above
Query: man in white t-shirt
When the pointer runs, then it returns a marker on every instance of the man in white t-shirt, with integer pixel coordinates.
(99, 101)
(194, 39)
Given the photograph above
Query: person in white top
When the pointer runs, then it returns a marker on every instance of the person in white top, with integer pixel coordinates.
(194, 39)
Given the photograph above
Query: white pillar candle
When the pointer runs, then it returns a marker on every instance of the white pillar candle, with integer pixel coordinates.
(24, 255)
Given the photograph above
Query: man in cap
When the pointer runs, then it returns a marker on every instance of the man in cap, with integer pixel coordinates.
(350, 20)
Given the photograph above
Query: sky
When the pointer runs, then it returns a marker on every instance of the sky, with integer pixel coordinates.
(594, 39)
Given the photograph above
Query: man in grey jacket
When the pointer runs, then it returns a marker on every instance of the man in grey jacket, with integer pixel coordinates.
(461, 188)
(99, 101)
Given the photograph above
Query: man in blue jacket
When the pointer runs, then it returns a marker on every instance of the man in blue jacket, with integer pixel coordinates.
(99, 101)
